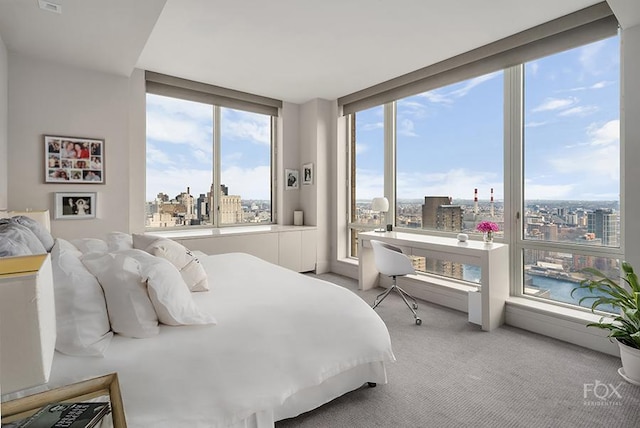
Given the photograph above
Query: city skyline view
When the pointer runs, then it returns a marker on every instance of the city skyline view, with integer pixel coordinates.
(180, 149)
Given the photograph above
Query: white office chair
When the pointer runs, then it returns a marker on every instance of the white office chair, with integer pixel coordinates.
(391, 262)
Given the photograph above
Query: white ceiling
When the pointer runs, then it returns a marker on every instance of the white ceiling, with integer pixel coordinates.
(292, 50)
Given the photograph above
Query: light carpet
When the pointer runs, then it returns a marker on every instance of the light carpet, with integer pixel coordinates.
(449, 373)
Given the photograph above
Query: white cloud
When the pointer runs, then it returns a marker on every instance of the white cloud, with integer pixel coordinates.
(548, 191)
(457, 183)
(170, 128)
(589, 57)
(472, 83)
(533, 67)
(579, 111)
(609, 133)
(173, 181)
(249, 183)
(597, 85)
(241, 125)
(155, 156)
(372, 126)
(361, 148)
(407, 128)
(551, 104)
(436, 97)
(601, 84)
(597, 161)
(534, 124)
(369, 184)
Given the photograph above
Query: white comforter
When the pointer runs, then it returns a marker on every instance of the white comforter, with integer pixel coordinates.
(278, 333)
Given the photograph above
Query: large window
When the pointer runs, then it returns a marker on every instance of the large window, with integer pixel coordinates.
(366, 170)
(207, 165)
(449, 151)
(538, 142)
(571, 168)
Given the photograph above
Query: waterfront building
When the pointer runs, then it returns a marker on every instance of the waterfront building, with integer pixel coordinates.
(605, 224)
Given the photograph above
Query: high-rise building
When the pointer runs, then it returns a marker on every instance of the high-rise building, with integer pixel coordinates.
(604, 223)
(438, 213)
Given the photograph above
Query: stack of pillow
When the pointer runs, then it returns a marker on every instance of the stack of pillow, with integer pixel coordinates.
(125, 284)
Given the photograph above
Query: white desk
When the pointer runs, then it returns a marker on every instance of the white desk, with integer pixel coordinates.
(493, 260)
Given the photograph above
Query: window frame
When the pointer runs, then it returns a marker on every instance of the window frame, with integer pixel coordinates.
(217, 165)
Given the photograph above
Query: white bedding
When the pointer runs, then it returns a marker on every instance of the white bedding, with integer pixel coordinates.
(284, 343)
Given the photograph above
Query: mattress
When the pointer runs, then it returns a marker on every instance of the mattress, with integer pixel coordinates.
(284, 343)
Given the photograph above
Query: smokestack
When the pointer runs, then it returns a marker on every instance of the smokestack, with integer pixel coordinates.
(492, 211)
(475, 201)
(188, 191)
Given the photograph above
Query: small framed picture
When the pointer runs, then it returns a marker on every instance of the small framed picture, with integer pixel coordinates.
(75, 205)
(291, 179)
(73, 160)
(307, 173)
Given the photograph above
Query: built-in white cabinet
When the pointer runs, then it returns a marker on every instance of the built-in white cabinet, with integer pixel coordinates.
(297, 250)
(293, 247)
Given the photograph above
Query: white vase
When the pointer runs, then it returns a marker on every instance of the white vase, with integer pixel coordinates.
(630, 362)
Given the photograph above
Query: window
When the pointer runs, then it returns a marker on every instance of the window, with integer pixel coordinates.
(571, 168)
(201, 156)
(449, 151)
(539, 141)
(367, 171)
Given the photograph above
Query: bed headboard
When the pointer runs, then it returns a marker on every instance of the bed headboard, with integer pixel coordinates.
(41, 217)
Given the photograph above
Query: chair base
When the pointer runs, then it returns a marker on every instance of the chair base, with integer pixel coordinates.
(404, 296)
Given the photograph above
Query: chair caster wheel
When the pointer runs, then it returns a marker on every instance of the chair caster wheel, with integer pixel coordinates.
(415, 306)
(418, 321)
(372, 384)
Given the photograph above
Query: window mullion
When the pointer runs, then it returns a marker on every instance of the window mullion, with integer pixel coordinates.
(513, 173)
(215, 190)
(390, 160)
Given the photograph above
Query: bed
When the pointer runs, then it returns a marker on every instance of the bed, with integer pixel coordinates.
(282, 344)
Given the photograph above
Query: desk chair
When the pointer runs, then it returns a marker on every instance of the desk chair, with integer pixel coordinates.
(391, 262)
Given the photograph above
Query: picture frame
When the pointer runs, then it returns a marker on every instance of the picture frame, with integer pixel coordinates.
(75, 205)
(307, 173)
(291, 179)
(73, 160)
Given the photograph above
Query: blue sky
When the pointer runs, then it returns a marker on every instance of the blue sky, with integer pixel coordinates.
(180, 149)
(450, 140)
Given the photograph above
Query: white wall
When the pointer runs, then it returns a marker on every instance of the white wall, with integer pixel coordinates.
(51, 99)
(288, 157)
(4, 100)
(317, 137)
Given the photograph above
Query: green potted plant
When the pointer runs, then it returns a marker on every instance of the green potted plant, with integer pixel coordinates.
(624, 326)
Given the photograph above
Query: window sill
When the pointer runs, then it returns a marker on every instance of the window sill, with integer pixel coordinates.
(549, 309)
(226, 231)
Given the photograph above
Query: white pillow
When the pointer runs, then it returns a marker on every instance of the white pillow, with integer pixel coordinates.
(168, 292)
(90, 245)
(117, 241)
(82, 322)
(182, 258)
(142, 240)
(130, 311)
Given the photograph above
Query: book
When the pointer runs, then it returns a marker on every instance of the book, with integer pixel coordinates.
(67, 415)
